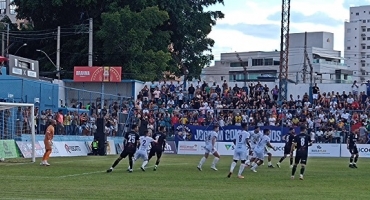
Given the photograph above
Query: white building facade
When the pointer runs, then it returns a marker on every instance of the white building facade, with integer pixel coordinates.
(327, 63)
(357, 41)
(7, 9)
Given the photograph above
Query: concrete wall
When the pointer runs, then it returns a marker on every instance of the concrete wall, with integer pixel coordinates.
(26, 91)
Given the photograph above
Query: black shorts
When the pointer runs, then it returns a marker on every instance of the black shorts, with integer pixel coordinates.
(301, 157)
(353, 150)
(157, 151)
(287, 150)
(127, 152)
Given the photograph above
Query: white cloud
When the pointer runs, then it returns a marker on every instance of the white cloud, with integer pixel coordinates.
(257, 12)
(231, 40)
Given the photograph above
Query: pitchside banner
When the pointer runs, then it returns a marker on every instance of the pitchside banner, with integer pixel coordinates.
(170, 147)
(26, 149)
(67, 148)
(8, 149)
(363, 150)
(227, 133)
(227, 149)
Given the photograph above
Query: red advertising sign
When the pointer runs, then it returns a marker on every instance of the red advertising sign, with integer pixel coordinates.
(97, 74)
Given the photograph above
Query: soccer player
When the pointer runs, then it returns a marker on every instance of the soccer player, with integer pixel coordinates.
(288, 144)
(240, 152)
(143, 148)
(48, 141)
(158, 148)
(210, 147)
(300, 143)
(259, 149)
(254, 138)
(352, 147)
(130, 145)
(269, 157)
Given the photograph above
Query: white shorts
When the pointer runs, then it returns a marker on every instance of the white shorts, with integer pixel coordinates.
(141, 154)
(240, 155)
(315, 96)
(259, 154)
(208, 149)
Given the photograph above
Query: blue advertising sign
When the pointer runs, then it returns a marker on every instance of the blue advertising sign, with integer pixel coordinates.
(226, 134)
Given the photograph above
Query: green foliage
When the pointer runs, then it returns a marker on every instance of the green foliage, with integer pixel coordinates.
(133, 34)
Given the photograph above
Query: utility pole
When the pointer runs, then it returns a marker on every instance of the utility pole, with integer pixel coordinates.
(90, 59)
(245, 70)
(7, 39)
(2, 45)
(58, 53)
(305, 58)
(311, 76)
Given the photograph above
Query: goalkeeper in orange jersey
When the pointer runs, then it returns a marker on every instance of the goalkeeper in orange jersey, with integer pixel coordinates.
(48, 141)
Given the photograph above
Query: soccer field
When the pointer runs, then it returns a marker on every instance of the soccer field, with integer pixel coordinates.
(178, 178)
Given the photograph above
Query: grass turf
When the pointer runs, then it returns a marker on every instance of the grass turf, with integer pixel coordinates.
(178, 178)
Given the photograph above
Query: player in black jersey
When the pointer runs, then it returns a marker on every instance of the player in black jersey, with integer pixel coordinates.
(158, 148)
(300, 143)
(289, 141)
(130, 145)
(352, 147)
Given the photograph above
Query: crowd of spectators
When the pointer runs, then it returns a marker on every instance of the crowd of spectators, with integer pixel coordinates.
(328, 115)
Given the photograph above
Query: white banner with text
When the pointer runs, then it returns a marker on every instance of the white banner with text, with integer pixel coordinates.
(363, 150)
(67, 148)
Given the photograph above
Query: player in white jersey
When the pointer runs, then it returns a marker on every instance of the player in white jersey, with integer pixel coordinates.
(142, 152)
(269, 157)
(259, 149)
(254, 139)
(240, 151)
(210, 148)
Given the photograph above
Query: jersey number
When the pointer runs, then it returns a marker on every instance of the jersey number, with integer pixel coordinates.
(144, 142)
(302, 141)
(131, 139)
(240, 138)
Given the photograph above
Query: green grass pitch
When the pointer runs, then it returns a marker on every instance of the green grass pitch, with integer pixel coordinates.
(178, 178)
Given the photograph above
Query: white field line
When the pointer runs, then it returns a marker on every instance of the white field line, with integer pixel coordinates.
(81, 174)
(66, 161)
(97, 172)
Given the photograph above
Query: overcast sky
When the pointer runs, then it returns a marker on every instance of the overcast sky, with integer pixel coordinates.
(254, 25)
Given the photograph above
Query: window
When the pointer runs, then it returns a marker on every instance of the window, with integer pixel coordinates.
(257, 62)
(348, 48)
(368, 56)
(351, 13)
(368, 20)
(345, 76)
(368, 38)
(364, 29)
(222, 78)
(276, 63)
(348, 30)
(363, 47)
(368, 47)
(357, 14)
(238, 64)
(364, 21)
(12, 8)
(368, 29)
(363, 38)
(3, 6)
(269, 61)
(363, 64)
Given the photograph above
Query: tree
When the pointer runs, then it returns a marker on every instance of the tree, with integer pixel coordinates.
(129, 39)
(190, 25)
(141, 45)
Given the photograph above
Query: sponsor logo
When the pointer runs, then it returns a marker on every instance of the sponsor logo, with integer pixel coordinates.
(185, 147)
(71, 149)
(319, 149)
(364, 150)
(228, 146)
(82, 73)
